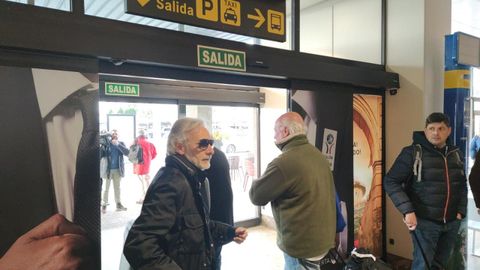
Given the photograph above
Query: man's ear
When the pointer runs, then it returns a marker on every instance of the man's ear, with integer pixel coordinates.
(180, 148)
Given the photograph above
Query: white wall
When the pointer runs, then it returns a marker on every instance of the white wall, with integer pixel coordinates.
(349, 29)
(357, 30)
(415, 31)
(316, 30)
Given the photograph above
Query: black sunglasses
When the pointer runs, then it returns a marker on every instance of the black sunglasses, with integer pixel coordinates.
(204, 143)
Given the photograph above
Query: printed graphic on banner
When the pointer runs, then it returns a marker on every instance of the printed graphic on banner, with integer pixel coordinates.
(262, 19)
(367, 172)
(328, 147)
(51, 162)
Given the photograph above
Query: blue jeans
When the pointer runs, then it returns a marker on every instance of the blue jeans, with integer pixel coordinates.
(437, 241)
(292, 263)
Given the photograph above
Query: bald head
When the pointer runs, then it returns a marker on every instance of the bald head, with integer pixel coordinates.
(291, 117)
(288, 125)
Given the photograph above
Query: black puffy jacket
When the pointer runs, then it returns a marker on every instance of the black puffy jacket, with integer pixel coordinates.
(173, 230)
(441, 190)
(474, 180)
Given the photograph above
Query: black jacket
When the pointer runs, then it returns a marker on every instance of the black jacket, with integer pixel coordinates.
(441, 190)
(173, 230)
(474, 180)
(221, 207)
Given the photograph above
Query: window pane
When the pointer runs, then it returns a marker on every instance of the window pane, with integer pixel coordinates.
(235, 132)
(58, 4)
(350, 29)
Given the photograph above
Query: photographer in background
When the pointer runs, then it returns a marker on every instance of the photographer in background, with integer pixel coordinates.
(112, 167)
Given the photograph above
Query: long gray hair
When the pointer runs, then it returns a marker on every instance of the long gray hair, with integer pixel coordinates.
(178, 133)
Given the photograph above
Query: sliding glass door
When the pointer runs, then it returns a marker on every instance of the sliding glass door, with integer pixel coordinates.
(235, 130)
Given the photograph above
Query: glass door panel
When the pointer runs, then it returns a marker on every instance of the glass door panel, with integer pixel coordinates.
(236, 134)
(128, 119)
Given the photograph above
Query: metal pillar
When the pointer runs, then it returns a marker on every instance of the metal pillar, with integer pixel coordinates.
(457, 92)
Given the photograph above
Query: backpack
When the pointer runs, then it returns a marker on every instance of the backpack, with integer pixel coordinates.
(417, 164)
(362, 259)
(135, 154)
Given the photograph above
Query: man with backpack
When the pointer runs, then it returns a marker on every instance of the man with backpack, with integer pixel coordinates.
(428, 186)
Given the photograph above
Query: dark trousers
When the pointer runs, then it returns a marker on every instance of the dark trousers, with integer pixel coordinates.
(437, 241)
(218, 258)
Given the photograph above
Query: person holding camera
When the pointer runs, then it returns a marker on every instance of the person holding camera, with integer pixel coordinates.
(112, 167)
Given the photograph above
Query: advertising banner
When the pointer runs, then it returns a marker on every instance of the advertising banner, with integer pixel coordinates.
(339, 120)
(50, 148)
(367, 172)
(328, 117)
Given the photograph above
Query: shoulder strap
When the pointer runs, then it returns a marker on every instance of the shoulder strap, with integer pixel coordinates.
(417, 165)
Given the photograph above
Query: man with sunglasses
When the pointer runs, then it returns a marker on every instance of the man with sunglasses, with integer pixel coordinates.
(173, 230)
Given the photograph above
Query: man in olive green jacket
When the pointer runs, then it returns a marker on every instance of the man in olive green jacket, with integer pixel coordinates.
(300, 187)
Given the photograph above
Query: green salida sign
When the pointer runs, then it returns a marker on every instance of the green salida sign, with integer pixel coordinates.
(122, 89)
(219, 58)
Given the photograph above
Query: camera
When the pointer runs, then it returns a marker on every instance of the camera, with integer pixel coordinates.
(105, 139)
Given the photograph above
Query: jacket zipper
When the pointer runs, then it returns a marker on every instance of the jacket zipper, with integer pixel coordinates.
(447, 179)
(448, 190)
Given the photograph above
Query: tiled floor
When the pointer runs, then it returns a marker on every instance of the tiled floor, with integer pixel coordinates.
(259, 251)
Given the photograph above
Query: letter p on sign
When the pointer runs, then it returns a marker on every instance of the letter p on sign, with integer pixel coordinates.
(207, 10)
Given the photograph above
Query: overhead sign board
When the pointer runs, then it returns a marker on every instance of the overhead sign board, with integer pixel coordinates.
(263, 19)
(122, 89)
(218, 58)
(468, 50)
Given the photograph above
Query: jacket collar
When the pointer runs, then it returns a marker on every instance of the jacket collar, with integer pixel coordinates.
(420, 138)
(293, 142)
(184, 165)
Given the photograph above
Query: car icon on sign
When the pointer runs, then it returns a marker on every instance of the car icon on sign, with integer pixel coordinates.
(230, 15)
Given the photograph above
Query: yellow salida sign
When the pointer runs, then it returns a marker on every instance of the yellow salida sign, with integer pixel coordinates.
(263, 19)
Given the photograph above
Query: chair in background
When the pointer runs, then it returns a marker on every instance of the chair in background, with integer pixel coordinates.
(234, 163)
(249, 171)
